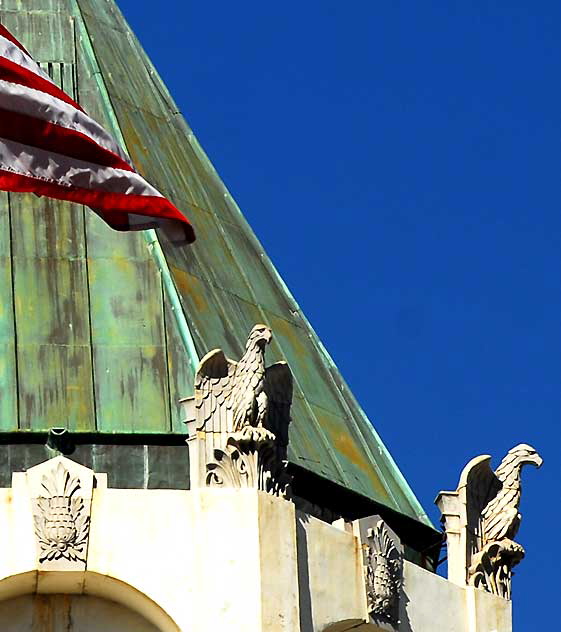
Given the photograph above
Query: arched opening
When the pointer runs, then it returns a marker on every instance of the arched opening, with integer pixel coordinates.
(352, 625)
(54, 601)
(69, 613)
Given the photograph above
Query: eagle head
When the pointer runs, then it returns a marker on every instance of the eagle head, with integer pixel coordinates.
(526, 455)
(259, 336)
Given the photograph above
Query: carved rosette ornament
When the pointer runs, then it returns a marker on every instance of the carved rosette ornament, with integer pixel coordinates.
(238, 420)
(383, 570)
(481, 520)
(61, 521)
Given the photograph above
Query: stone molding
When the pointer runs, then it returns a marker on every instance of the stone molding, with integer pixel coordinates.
(481, 520)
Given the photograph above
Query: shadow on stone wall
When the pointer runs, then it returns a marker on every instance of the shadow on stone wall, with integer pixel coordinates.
(304, 595)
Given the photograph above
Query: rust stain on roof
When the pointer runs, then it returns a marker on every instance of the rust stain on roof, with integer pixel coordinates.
(189, 285)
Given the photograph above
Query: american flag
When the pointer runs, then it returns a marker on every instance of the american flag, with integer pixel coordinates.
(50, 146)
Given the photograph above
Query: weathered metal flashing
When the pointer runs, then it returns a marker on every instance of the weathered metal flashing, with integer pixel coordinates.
(156, 250)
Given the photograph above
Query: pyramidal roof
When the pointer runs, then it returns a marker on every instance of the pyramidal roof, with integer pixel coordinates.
(100, 331)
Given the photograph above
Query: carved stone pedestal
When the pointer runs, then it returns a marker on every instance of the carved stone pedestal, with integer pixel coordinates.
(245, 563)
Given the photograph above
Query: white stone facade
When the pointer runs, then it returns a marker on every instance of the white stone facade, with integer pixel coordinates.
(211, 559)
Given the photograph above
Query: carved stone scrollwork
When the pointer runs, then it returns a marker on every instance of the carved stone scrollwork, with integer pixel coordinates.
(491, 568)
(238, 420)
(481, 520)
(383, 570)
(250, 462)
(61, 522)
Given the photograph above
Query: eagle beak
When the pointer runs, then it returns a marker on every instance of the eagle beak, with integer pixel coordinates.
(539, 461)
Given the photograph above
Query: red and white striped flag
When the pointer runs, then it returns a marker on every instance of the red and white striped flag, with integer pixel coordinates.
(50, 146)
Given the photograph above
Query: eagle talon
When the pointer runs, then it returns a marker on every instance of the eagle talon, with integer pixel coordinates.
(257, 435)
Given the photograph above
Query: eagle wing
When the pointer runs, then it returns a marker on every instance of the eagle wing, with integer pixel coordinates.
(278, 387)
(500, 515)
(213, 386)
(482, 486)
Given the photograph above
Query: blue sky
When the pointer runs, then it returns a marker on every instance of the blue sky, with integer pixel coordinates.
(399, 161)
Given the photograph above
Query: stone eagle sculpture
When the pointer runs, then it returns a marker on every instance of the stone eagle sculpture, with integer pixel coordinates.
(500, 518)
(493, 519)
(244, 397)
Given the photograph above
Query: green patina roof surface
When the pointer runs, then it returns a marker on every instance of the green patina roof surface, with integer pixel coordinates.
(88, 338)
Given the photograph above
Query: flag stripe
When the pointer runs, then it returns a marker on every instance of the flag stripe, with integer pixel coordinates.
(116, 203)
(49, 137)
(50, 146)
(37, 104)
(14, 73)
(70, 172)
